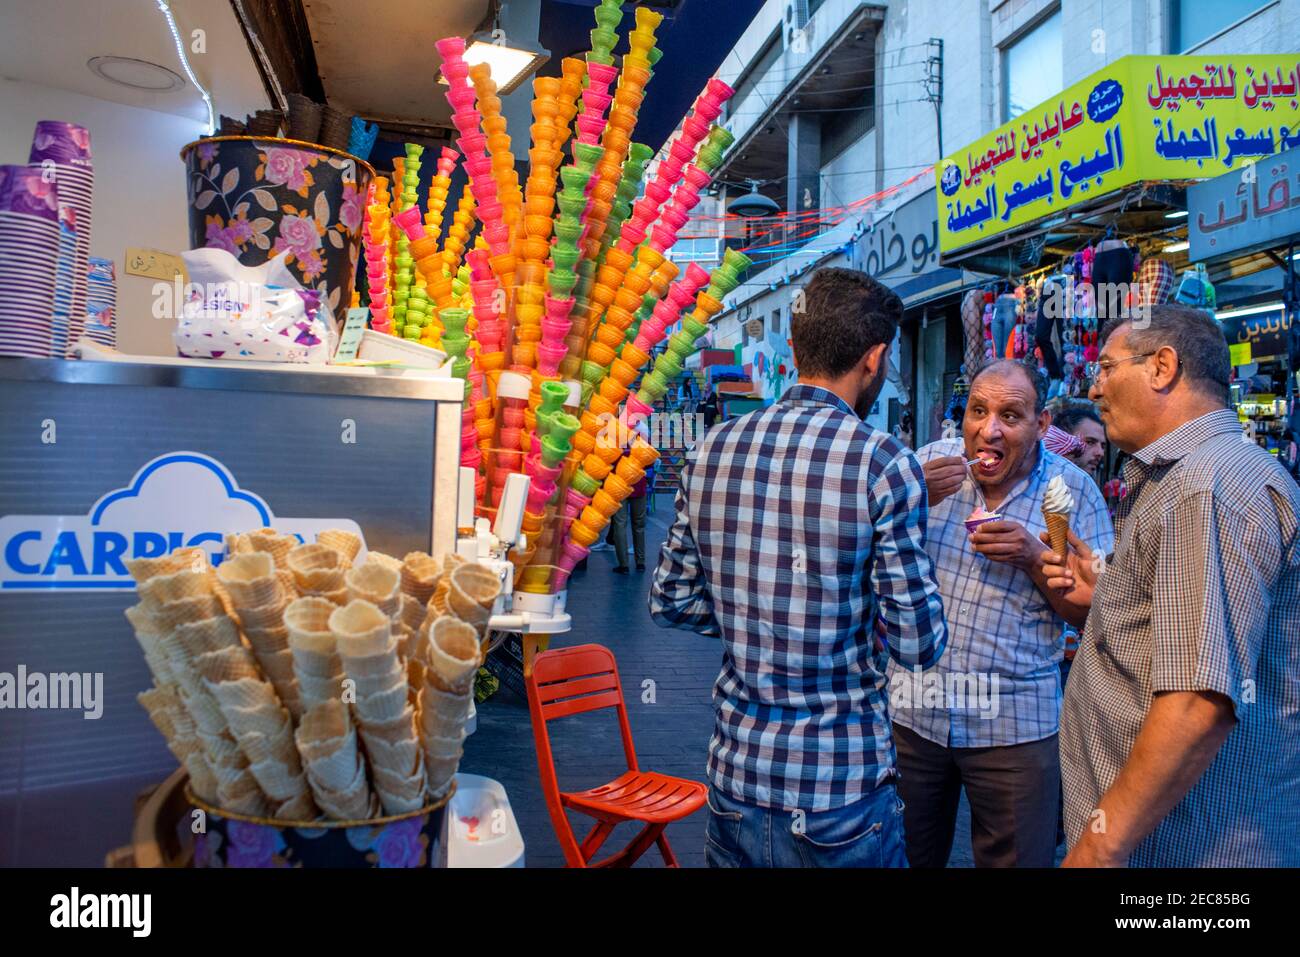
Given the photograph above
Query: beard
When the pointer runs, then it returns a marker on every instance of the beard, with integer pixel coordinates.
(869, 395)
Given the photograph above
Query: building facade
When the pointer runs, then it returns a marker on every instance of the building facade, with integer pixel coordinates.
(842, 108)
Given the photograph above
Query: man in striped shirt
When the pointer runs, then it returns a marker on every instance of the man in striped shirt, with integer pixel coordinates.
(1179, 730)
(799, 541)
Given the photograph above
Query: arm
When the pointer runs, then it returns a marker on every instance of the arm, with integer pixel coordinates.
(1182, 733)
(679, 594)
(909, 607)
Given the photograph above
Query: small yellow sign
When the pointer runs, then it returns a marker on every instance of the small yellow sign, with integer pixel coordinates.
(155, 264)
(1240, 354)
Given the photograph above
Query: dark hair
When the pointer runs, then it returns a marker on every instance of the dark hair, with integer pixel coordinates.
(1192, 333)
(1003, 366)
(1070, 414)
(844, 313)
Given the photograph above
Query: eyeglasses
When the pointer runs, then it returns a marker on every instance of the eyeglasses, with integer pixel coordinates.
(1100, 370)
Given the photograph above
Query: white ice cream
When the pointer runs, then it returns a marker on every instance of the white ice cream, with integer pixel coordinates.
(1058, 498)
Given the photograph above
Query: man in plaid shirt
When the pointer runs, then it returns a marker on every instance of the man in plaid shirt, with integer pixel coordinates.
(1179, 730)
(799, 540)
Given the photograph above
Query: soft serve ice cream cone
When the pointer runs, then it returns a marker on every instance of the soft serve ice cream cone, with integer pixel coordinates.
(1058, 504)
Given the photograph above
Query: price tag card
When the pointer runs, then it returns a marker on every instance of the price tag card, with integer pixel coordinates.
(1239, 354)
(353, 329)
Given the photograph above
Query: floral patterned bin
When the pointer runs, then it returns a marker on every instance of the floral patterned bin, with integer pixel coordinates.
(256, 197)
(237, 840)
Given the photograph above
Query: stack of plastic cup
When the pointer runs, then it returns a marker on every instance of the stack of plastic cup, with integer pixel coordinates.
(438, 189)
(614, 488)
(573, 77)
(375, 235)
(568, 231)
(605, 37)
(696, 176)
(682, 344)
(473, 145)
(507, 456)
(462, 222)
(29, 261)
(498, 142)
(629, 186)
(411, 175)
(666, 313)
(62, 152)
(618, 317)
(617, 136)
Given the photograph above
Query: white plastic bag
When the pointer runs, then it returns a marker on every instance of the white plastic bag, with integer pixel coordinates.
(233, 311)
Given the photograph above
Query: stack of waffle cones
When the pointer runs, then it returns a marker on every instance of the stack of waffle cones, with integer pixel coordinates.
(378, 677)
(291, 683)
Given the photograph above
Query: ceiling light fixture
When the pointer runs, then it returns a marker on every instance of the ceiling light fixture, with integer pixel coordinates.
(510, 61)
(753, 203)
(185, 63)
(1176, 247)
(1176, 214)
(135, 74)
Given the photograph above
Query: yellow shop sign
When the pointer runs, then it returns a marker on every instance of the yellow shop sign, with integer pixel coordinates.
(1140, 118)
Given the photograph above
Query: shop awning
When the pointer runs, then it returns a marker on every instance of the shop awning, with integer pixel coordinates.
(1108, 142)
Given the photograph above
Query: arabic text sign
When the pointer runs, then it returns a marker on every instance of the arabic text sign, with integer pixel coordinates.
(902, 243)
(1245, 210)
(1140, 118)
(176, 500)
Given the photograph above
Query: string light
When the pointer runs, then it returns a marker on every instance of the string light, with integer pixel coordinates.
(185, 63)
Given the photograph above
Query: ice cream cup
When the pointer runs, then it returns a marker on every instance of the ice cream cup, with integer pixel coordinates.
(973, 523)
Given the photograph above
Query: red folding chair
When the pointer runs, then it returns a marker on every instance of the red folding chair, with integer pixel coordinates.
(570, 681)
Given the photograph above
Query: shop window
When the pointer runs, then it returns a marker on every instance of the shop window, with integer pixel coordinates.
(1031, 67)
(774, 325)
(1192, 22)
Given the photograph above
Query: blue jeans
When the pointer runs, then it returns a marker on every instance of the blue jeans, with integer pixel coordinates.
(1004, 323)
(866, 833)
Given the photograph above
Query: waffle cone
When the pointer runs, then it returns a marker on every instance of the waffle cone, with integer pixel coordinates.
(385, 705)
(264, 616)
(307, 620)
(277, 783)
(143, 569)
(361, 629)
(260, 748)
(438, 773)
(232, 663)
(205, 711)
(388, 561)
(439, 709)
(1058, 530)
(413, 613)
(195, 608)
(197, 638)
(268, 640)
(144, 621)
(309, 664)
(420, 575)
(454, 651)
(316, 568)
(202, 780)
(313, 690)
(377, 584)
(301, 808)
(272, 543)
(186, 583)
(250, 580)
(345, 543)
(476, 583)
(267, 721)
(234, 778)
(378, 684)
(395, 731)
(438, 602)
